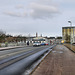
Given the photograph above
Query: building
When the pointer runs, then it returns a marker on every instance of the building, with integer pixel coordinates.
(58, 40)
(51, 40)
(39, 39)
(30, 39)
(68, 34)
(48, 40)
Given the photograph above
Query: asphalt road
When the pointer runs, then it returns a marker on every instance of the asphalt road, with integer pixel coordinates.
(13, 52)
(8, 57)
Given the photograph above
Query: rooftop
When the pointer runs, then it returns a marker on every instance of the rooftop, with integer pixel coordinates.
(69, 27)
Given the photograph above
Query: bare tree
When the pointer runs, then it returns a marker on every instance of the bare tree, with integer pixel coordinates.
(2, 36)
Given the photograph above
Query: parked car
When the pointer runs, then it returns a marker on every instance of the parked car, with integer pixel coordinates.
(36, 44)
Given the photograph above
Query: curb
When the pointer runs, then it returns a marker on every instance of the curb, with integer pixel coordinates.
(70, 49)
(7, 48)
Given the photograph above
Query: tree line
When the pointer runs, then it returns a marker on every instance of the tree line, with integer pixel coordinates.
(9, 38)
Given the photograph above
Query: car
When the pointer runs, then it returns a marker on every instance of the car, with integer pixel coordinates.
(36, 44)
(43, 44)
(46, 43)
(73, 43)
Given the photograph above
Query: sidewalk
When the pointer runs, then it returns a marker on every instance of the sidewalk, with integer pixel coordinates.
(61, 61)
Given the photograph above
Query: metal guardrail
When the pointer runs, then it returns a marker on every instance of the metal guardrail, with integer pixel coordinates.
(19, 67)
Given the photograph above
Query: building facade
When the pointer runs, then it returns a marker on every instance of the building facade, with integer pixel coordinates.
(68, 34)
(39, 39)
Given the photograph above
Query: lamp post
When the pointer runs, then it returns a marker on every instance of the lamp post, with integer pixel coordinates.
(70, 33)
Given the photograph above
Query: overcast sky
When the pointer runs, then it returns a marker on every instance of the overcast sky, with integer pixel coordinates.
(47, 17)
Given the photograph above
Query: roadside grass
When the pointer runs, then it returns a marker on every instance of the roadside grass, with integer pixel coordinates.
(71, 47)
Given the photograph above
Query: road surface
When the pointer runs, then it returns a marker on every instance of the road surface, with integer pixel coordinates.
(8, 57)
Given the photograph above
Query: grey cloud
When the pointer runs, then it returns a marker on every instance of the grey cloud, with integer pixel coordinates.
(20, 6)
(15, 14)
(42, 10)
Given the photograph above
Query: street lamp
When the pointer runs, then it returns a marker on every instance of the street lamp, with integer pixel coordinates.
(70, 33)
(70, 23)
